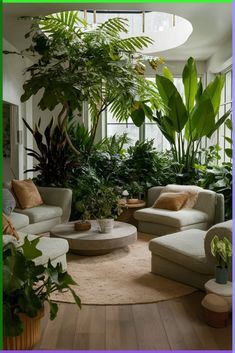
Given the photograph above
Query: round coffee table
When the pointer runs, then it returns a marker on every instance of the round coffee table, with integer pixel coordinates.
(92, 242)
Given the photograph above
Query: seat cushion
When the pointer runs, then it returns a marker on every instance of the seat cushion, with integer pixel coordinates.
(51, 248)
(19, 220)
(185, 248)
(41, 213)
(176, 219)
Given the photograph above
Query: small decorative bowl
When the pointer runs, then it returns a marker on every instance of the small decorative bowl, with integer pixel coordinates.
(81, 226)
(133, 201)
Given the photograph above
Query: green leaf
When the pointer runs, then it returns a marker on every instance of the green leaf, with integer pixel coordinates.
(177, 112)
(30, 248)
(202, 119)
(168, 74)
(76, 297)
(229, 152)
(166, 88)
(138, 117)
(219, 123)
(213, 92)
(199, 91)
(189, 76)
(53, 310)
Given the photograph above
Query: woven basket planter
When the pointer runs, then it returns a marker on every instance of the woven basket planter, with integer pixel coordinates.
(29, 336)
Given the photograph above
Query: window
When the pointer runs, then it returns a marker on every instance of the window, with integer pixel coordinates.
(225, 105)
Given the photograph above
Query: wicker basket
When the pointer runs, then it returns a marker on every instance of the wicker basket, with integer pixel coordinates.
(29, 336)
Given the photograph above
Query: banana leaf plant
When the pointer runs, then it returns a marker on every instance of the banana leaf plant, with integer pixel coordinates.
(53, 156)
(189, 119)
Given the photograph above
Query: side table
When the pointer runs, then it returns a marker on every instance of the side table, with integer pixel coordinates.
(127, 215)
(223, 290)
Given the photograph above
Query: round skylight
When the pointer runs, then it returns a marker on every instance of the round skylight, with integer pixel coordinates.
(167, 30)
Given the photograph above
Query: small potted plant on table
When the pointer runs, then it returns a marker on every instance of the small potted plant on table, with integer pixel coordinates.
(105, 207)
(221, 249)
(26, 288)
(134, 189)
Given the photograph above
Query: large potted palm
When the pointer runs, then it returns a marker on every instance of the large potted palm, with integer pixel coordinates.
(26, 288)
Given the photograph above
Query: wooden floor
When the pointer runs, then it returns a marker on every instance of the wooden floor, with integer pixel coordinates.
(169, 325)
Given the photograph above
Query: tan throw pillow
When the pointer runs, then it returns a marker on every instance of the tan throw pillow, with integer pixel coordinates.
(8, 227)
(26, 193)
(192, 199)
(171, 201)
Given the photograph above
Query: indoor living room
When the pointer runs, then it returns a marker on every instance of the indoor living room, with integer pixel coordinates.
(117, 176)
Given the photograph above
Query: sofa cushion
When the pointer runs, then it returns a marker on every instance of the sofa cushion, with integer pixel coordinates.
(50, 247)
(176, 219)
(171, 201)
(41, 213)
(26, 193)
(19, 220)
(8, 203)
(185, 248)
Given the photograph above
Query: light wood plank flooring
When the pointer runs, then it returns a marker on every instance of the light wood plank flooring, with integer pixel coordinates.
(169, 325)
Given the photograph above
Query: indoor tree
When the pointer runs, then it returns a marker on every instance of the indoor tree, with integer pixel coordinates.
(189, 119)
(75, 63)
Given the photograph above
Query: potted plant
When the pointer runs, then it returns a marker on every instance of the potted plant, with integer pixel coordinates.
(221, 249)
(105, 207)
(134, 190)
(26, 288)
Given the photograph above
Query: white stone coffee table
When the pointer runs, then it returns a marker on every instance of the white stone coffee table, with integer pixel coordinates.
(92, 242)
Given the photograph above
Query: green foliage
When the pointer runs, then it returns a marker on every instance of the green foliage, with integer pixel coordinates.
(53, 155)
(75, 63)
(26, 286)
(219, 178)
(185, 124)
(229, 150)
(222, 251)
(104, 202)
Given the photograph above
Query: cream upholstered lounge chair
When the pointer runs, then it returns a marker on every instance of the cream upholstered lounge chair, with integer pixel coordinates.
(185, 256)
(208, 210)
(40, 219)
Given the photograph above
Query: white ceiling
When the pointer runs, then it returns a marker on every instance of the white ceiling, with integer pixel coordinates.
(212, 23)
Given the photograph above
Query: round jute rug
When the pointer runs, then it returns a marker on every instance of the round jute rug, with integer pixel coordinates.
(121, 277)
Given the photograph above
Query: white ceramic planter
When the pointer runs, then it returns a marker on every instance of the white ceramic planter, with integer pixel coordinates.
(106, 225)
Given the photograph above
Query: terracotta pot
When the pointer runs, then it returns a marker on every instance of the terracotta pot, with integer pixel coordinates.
(81, 226)
(29, 336)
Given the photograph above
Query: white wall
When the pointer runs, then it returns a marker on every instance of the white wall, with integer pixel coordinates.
(177, 68)
(13, 79)
(222, 57)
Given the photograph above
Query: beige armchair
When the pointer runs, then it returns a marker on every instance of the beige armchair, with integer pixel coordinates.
(55, 209)
(185, 256)
(208, 210)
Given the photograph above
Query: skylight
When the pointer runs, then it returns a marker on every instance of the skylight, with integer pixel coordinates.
(167, 30)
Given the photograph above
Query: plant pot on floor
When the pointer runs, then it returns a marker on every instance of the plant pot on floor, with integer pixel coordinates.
(29, 336)
(106, 224)
(221, 275)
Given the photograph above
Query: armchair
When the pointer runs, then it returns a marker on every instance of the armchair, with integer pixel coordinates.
(55, 209)
(208, 210)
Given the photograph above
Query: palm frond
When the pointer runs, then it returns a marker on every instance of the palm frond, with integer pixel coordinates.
(114, 26)
(63, 22)
(133, 43)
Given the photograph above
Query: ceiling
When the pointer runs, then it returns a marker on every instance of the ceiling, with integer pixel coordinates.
(212, 23)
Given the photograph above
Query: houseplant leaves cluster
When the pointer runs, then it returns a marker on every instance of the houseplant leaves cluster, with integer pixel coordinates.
(26, 286)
